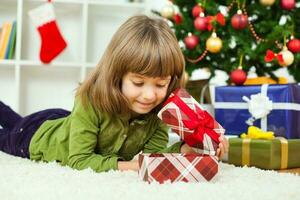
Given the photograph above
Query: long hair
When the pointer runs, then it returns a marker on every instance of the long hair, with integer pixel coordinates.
(141, 45)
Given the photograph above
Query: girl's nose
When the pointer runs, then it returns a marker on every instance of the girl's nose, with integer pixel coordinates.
(149, 93)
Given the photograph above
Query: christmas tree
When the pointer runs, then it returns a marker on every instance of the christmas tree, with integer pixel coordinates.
(232, 34)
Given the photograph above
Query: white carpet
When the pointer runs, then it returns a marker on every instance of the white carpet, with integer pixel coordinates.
(24, 179)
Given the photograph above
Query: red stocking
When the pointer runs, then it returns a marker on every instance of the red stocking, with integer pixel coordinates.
(52, 42)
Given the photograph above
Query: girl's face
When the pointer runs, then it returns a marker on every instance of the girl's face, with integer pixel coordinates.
(144, 93)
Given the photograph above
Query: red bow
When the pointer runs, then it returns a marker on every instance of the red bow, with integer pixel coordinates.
(219, 18)
(270, 55)
(200, 121)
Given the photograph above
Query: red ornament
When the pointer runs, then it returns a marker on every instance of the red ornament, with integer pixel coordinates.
(238, 76)
(287, 4)
(201, 23)
(191, 41)
(239, 21)
(177, 18)
(294, 45)
(197, 9)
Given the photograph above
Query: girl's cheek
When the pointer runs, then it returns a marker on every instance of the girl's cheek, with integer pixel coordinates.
(163, 93)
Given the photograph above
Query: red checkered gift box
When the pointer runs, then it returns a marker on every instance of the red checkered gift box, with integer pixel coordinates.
(177, 167)
(191, 122)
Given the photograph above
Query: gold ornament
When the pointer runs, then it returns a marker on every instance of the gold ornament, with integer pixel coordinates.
(288, 57)
(168, 11)
(213, 43)
(267, 2)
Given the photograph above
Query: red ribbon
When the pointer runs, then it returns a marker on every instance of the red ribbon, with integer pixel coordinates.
(219, 18)
(270, 55)
(200, 121)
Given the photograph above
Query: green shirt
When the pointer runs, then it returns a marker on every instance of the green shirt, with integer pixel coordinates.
(89, 139)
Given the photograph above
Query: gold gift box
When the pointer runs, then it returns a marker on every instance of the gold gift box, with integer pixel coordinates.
(278, 153)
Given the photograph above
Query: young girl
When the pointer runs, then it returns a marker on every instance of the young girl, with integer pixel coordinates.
(115, 111)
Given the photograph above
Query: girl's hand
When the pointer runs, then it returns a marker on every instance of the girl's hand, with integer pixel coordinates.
(128, 165)
(186, 149)
(223, 147)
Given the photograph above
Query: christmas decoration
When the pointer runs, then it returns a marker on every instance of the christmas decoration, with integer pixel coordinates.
(201, 22)
(219, 18)
(238, 76)
(284, 57)
(197, 9)
(287, 57)
(177, 18)
(294, 45)
(214, 43)
(168, 11)
(267, 2)
(191, 41)
(239, 21)
(252, 30)
(270, 56)
(267, 24)
(197, 59)
(52, 42)
(287, 4)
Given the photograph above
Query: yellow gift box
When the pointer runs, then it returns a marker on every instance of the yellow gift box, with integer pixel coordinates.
(265, 80)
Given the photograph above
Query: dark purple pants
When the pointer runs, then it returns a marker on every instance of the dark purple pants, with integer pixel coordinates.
(17, 131)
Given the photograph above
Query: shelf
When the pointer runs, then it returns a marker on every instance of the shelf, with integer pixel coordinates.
(28, 63)
(91, 65)
(7, 63)
(8, 11)
(48, 88)
(8, 86)
(102, 24)
(27, 84)
(32, 63)
(122, 4)
(56, 1)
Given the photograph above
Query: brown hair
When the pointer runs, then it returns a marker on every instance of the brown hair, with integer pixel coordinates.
(141, 45)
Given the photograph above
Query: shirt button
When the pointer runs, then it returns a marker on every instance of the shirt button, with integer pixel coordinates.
(21, 129)
(132, 123)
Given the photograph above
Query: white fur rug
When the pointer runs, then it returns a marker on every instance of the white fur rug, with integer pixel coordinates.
(24, 179)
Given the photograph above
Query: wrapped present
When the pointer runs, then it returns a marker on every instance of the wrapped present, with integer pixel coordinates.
(177, 167)
(184, 115)
(265, 80)
(278, 153)
(271, 107)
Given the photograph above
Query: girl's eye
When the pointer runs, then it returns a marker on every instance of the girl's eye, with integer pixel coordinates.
(161, 85)
(139, 84)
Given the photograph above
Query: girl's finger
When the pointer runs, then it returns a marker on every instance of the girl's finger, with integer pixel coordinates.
(218, 152)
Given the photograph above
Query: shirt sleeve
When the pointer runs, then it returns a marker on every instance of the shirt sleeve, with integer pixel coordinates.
(159, 140)
(83, 140)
